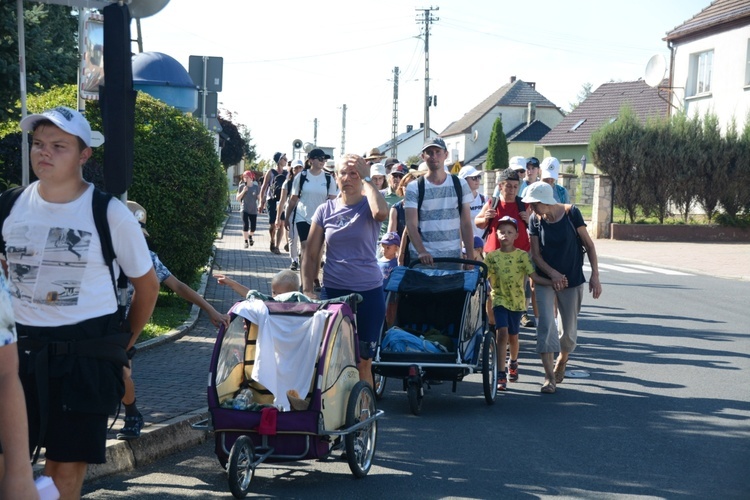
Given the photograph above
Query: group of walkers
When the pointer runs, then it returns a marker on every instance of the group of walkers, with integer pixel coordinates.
(65, 353)
(533, 241)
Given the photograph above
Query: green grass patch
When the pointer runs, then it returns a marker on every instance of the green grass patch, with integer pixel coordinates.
(170, 312)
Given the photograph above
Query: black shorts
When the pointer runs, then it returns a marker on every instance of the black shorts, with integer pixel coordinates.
(249, 222)
(303, 229)
(71, 436)
(271, 206)
(82, 390)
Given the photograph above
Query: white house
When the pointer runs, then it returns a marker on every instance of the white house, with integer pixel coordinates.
(519, 105)
(710, 62)
(408, 143)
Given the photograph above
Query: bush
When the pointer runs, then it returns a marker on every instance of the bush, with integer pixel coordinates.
(177, 178)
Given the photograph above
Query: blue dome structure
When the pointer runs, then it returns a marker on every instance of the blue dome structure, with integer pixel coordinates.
(163, 78)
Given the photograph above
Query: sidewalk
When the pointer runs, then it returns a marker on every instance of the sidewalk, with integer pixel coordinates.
(171, 374)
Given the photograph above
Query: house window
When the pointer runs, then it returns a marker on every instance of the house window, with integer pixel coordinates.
(701, 67)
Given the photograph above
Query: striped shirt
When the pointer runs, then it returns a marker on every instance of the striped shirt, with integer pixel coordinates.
(439, 219)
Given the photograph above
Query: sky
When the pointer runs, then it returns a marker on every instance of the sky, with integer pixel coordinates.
(287, 63)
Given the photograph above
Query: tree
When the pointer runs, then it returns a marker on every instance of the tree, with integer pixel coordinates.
(612, 149)
(51, 51)
(655, 161)
(497, 150)
(711, 174)
(729, 157)
(582, 95)
(231, 143)
(686, 149)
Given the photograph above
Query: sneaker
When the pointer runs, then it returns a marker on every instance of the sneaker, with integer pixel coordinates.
(502, 382)
(527, 321)
(247, 243)
(513, 372)
(251, 241)
(275, 250)
(286, 247)
(132, 427)
(294, 267)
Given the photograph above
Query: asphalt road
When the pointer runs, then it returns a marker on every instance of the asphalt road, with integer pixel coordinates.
(655, 405)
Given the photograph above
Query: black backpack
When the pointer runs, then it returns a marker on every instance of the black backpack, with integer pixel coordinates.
(303, 178)
(456, 186)
(278, 184)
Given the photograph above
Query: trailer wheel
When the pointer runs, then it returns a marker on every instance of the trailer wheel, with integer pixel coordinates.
(415, 395)
(489, 368)
(241, 468)
(360, 444)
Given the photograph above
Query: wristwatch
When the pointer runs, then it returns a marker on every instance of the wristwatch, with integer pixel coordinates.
(367, 179)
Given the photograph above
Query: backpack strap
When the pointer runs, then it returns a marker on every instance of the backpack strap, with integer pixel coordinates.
(7, 200)
(304, 178)
(99, 204)
(456, 187)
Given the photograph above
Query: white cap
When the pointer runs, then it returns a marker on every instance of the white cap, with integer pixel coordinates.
(68, 120)
(539, 192)
(517, 163)
(468, 171)
(377, 169)
(550, 168)
(298, 163)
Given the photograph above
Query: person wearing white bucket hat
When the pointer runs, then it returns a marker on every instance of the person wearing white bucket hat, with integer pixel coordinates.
(558, 242)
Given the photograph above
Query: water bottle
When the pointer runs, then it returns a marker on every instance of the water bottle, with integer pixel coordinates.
(243, 400)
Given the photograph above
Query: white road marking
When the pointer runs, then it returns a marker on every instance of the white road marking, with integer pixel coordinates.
(621, 269)
(659, 270)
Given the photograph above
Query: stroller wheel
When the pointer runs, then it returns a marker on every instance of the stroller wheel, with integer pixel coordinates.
(489, 368)
(415, 394)
(379, 385)
(241, 467)
(360, 444)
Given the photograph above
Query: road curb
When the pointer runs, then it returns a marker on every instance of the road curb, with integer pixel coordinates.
(155, 442)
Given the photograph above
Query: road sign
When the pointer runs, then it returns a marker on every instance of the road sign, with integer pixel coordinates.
(213, 66)
(212, 105)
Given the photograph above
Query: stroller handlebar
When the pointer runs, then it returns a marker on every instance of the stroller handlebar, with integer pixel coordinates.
(453, 260)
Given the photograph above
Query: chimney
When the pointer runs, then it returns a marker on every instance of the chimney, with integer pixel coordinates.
(409, 128)
(531, 84)
(512, 79)
(530, 113)
(421, 125)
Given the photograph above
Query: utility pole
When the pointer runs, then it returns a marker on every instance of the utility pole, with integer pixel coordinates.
(427, 19)
(315, 131)
(343, 130)
(394, 131)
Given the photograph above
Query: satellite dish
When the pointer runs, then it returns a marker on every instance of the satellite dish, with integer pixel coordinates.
(145, 8)
(655, 70)
(308, 147)
(297, 143)
(475, 135)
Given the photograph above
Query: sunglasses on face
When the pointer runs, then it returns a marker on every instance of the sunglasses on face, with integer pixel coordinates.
(475, 178)
(319, 158)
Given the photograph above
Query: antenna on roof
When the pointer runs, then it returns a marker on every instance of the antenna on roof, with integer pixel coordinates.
(656, 68)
